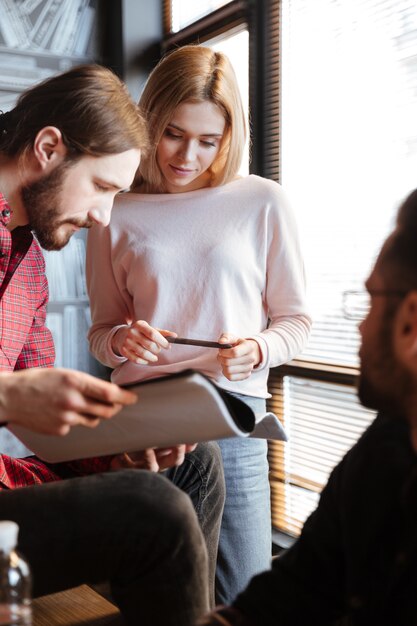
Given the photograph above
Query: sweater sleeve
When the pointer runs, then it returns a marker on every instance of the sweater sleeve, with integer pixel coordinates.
(109, 308)
(289, 318)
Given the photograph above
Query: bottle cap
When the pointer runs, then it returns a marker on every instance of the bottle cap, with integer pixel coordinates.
(8, 536)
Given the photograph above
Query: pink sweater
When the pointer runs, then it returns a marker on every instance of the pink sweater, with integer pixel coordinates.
(199, 263)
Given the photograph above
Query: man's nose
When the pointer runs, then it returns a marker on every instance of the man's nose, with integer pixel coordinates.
(101, 215)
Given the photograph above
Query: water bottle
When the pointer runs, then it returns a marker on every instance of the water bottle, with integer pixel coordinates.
(15, 580)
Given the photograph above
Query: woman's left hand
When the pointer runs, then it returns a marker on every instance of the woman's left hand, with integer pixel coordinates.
(237, 363)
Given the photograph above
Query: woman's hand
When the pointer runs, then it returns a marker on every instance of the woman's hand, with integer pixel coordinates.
(140, 342)
(237, 363)
(153, 459)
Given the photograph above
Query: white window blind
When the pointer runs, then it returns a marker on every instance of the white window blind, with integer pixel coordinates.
(348, 150)
(349, 144)
(322, 420)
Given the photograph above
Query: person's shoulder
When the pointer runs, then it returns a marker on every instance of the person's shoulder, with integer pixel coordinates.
(124, 205)
(386, 430)
(265, 189)
(125, 200)
(384, 448)
(268, 198)
(259, 183)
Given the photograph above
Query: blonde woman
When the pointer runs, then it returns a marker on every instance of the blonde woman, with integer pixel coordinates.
(198, 251)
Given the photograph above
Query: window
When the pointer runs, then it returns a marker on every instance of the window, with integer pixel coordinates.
(348, 156)
(349, 144)
(185, 12)
(186, 21)
(236, 46)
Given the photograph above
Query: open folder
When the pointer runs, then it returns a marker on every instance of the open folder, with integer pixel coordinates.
(181, 408)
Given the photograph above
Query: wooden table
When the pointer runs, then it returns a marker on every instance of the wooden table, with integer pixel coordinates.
(80, 606)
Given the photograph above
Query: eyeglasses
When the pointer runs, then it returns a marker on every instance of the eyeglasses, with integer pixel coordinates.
(356, 304)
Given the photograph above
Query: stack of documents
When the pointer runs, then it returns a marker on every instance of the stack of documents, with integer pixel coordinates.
(181, 408)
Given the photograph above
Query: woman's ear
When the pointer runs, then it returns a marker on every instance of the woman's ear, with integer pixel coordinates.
(49, 149)
(405, 331)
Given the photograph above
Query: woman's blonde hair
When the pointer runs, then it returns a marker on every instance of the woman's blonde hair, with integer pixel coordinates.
(192, 74)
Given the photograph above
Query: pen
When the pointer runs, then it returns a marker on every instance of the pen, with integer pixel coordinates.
(199, 342)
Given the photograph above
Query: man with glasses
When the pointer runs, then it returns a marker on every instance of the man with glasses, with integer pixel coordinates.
(356, 558)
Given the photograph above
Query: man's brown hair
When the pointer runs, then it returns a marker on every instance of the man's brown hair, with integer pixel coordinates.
(89, 104)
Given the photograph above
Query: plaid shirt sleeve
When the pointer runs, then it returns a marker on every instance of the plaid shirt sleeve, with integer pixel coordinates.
(27, 342)
(24, 472)
(83, 466)
(16, 473)
(38, 349)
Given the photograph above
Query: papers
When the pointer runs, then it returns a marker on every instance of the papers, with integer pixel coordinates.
(182, 408)
(269, 427)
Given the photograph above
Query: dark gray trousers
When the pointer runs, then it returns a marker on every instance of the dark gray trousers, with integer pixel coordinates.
(136, 529)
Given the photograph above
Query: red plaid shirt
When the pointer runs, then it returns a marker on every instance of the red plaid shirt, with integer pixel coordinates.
(26, 342)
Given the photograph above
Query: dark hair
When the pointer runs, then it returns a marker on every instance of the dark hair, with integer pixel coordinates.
(89, 104)
(399, 256)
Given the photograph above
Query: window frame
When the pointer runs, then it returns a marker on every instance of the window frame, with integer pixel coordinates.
(218, 22)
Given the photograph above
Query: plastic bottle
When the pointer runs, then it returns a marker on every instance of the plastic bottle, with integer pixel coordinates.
(15, 580)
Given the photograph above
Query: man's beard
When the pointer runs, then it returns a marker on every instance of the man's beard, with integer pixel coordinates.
(42, 200)
(384, 383)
